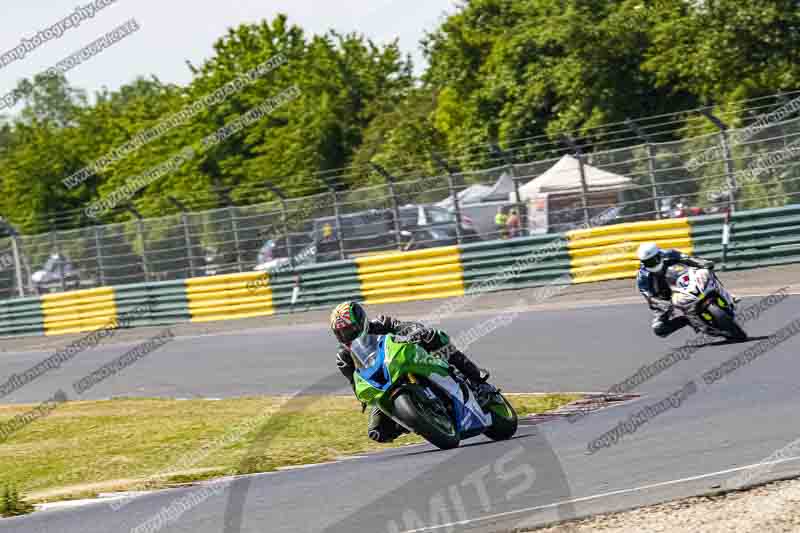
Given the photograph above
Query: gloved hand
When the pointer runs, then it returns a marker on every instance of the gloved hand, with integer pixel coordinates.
(343, 358)
(345, 363)
(657, 304)
(422, 335)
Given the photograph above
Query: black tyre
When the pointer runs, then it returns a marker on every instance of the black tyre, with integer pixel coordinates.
(429, 421)
(726, 323)
(504, 420)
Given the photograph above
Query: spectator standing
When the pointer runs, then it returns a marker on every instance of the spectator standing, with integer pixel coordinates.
(501, 222)
(514, 224)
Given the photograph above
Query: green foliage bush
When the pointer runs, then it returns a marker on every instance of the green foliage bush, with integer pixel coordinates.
(12, 503)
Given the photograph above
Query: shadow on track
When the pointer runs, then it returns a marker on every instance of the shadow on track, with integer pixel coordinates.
(430, 448)
(513, 473)
(725, 342)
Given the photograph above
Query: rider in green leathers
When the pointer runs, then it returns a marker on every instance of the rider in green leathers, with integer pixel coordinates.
(349, 321)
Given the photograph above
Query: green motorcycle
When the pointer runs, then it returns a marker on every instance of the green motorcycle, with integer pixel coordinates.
(421, 393)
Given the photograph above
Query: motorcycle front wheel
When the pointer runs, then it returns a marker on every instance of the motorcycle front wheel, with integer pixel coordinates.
(504, 420)
(726, 323)
(428, 420)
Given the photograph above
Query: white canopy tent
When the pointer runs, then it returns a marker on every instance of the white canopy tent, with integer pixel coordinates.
(471, 195)
(501, 189)
(475, 194)
(565, 177)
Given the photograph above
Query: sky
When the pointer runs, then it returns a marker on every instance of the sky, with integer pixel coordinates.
(174, 31)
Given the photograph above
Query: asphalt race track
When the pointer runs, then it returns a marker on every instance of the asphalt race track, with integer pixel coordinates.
(544, 474)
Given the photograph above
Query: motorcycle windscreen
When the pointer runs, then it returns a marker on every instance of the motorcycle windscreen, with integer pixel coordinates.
(365, 351)
(691, 285)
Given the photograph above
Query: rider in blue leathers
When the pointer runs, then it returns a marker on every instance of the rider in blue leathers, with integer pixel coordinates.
(651, 282)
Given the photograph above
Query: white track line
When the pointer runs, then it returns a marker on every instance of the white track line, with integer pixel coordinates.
(598, 496)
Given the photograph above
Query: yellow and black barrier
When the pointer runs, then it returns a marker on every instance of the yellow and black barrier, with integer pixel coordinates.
(609, 252)
(78, 311)
(758, 238)
(405, 276)
(229, 296)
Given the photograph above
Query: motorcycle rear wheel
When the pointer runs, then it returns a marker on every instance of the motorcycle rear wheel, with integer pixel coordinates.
(414, 409)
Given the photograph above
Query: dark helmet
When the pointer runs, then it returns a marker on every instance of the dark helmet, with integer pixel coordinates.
(349, 322)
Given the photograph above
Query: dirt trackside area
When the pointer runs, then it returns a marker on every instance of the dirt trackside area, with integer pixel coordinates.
(743, 283)
(771, 508)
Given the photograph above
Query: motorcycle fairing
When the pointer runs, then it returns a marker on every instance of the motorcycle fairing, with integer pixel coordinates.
(395, 359)
(469, 415)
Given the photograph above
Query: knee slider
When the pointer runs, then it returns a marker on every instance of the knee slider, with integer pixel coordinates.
(661, 329)
(376, 435)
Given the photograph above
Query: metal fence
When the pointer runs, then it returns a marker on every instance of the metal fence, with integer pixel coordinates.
(732, 169)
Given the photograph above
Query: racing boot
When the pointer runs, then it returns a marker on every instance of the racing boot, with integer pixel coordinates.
(484, 391)
(383, 429)
(476, 378)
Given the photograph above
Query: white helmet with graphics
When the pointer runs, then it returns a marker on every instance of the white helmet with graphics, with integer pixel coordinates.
(651, 257)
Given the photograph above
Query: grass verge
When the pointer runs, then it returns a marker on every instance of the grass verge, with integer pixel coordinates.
(87, 447)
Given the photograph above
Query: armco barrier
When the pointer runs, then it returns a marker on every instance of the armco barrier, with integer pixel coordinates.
(21, 317)
(759, 237)
(320, 285)
(76, 311)
(406, 276)
(609, 252)
(514, 263)
(153, 304)
(228, 296)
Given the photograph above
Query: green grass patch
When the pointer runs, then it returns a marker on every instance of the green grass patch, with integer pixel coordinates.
(87, 447)
(12, 504)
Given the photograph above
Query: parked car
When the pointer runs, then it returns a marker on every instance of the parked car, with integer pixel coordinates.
(56, 274)
(363, 231)
(215, 262)
(274, 255)
(419, 216)
(421, 226)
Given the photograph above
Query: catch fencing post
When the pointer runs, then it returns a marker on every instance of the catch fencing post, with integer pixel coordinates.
(783, 100)
(12, 231)
(726, 150)
(98, 246)
(338, 216)
(395, 207)
(140, 236)
(726, 236)
(187, 236)
(17, 265)
(584, 187)
(512, 171)
(451, 185)
(55, 245)
(523, 219)
(651, 162)
(284, 219)
(145, 265)
(98, 251)
(235, 229)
